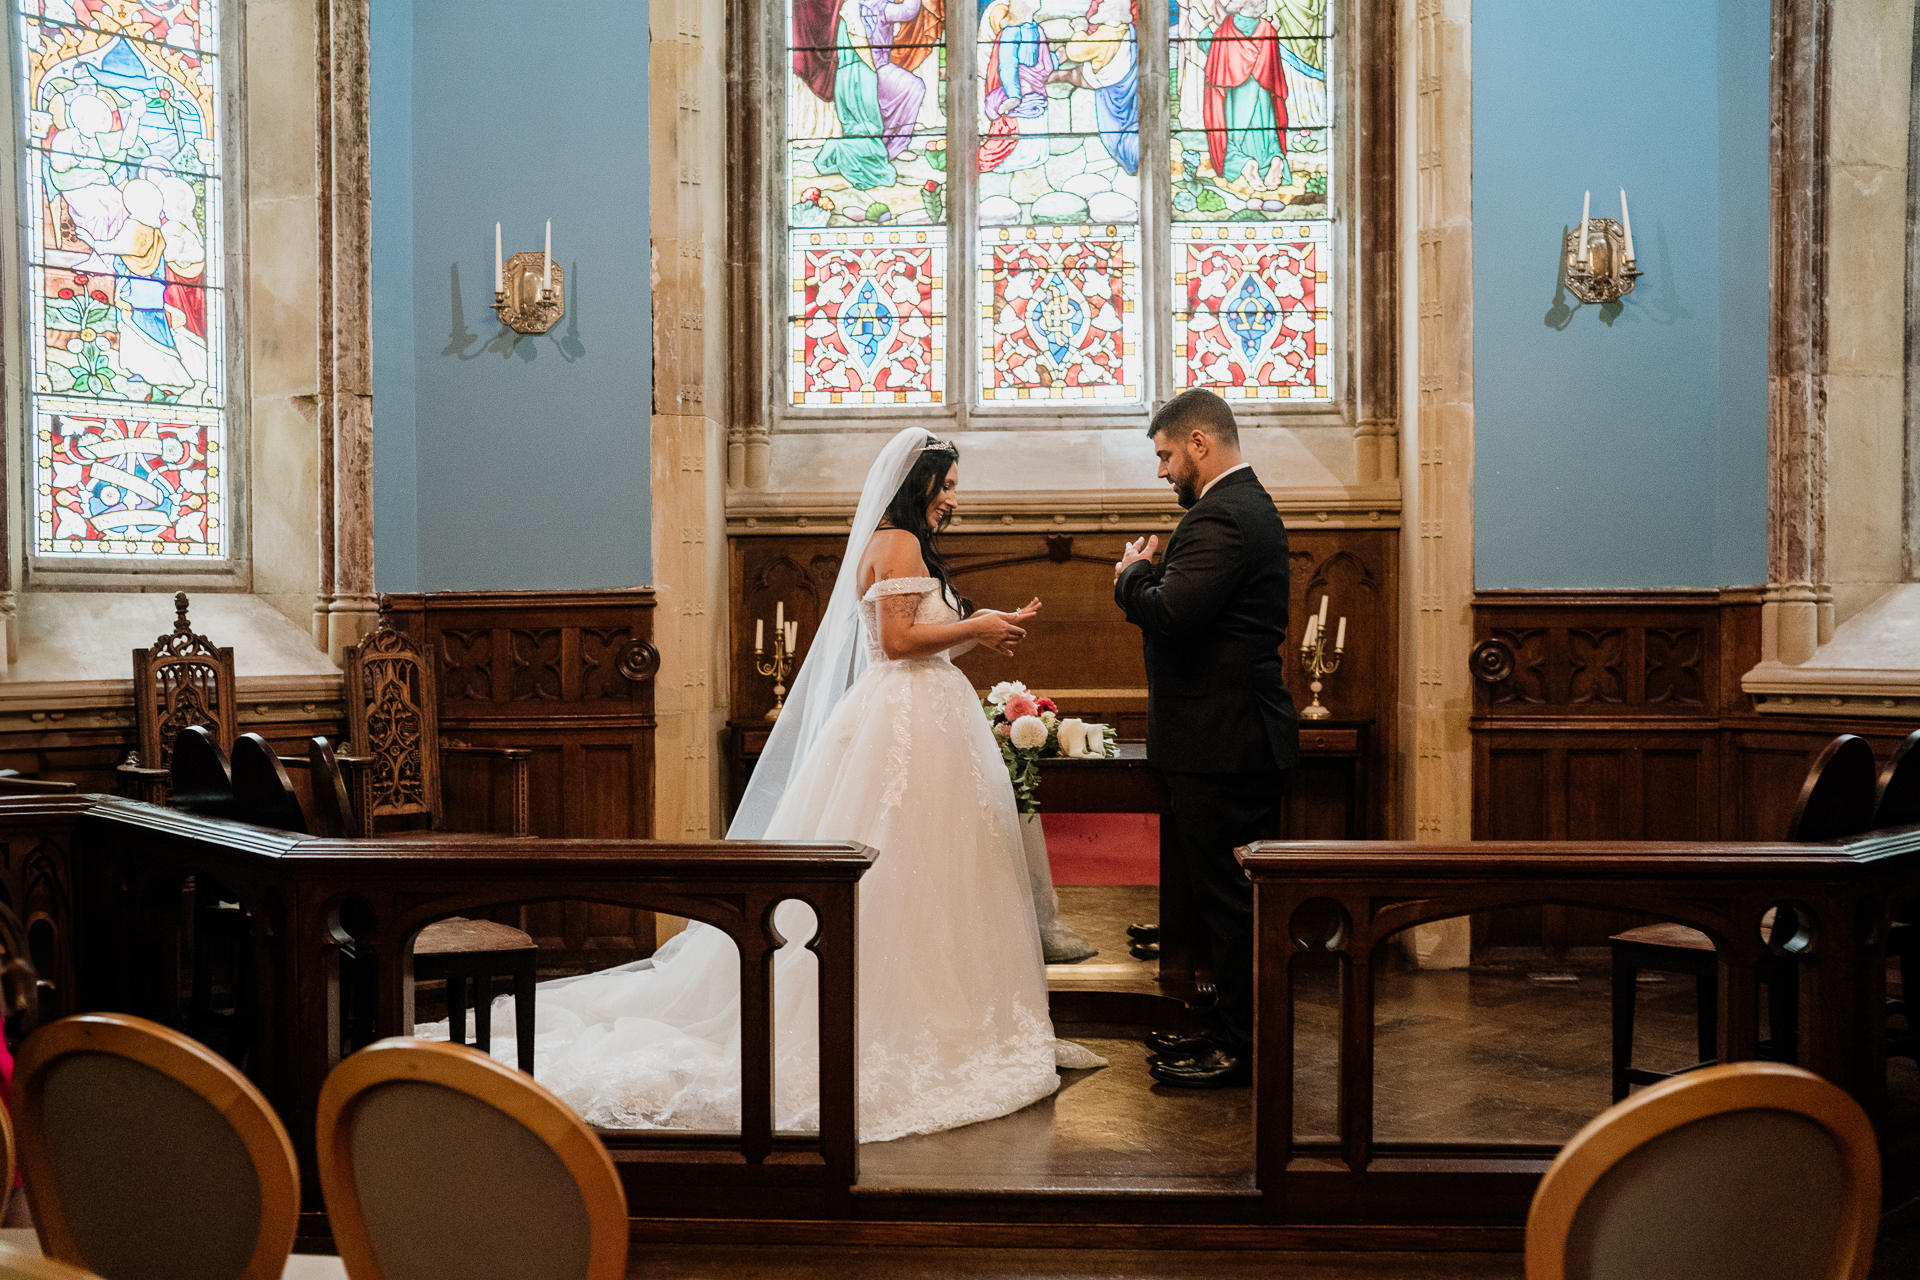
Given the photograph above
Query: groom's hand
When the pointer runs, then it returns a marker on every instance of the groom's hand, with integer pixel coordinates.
(1138, 549)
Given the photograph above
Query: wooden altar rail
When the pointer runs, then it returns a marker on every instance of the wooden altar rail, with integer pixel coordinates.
(310, 900)
(1349, 898)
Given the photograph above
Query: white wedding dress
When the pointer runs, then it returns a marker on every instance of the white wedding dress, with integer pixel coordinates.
(953, 1019)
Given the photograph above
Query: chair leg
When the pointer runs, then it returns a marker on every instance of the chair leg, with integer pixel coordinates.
(483, 1012)
(524, 980)
(457, 1008)
(1625, 973)
(1706, 1000)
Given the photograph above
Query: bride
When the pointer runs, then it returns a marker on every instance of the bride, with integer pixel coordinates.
(882, 742)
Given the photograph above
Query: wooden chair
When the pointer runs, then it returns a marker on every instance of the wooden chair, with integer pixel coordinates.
(393, 775)
(1836, 800)
(467, 954)
(437, 1161)
(184, 679)
(1897, 804)
(393, 724)
(1744, 1170)
(146, 1154)
(19, 1264)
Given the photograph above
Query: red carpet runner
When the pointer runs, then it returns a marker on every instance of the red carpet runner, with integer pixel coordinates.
(1103, 848)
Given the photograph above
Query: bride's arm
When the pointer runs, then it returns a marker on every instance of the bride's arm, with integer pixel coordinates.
(897, 555)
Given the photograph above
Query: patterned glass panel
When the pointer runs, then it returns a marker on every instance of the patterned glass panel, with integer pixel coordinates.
(125, 309)
(1060, 317)
(1250, 310)
(869, 310)
(1059, 199)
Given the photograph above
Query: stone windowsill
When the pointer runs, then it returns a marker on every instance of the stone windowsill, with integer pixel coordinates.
(72, 666)
(1871, 667)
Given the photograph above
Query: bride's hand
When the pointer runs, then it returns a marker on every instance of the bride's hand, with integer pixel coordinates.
(998, 631)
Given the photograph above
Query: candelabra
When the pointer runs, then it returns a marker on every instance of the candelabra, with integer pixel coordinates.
(1318, 662)
(785, 634)
(1600, 266)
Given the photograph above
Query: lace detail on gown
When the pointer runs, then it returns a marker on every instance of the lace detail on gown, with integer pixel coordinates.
(953, 1021)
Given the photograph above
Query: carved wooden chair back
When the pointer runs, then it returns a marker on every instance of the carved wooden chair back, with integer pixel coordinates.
(1685, 1179)
(430, 1152)
(147, 1154)
(1836, 800)
(393, 728)
(1898, 801)
(182, 680)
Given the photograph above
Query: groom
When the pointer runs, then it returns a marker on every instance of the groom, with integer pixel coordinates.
(1220, 722)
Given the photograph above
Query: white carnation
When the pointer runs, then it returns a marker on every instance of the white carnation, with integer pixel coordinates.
(1028, 733)
(999, 694)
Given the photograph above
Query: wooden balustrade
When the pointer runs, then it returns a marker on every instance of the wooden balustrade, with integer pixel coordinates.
(327, 964)
(1349, 898)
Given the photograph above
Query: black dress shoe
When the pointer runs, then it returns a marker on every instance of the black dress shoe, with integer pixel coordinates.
(1144, 933)
(1144, 951)
(1177, 1044)
(1214, 1069)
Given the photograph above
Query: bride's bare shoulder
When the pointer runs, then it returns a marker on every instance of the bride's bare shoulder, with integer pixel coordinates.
(891, 553)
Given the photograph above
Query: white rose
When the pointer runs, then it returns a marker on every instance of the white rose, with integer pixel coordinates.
(1028, 733)
(999, 694)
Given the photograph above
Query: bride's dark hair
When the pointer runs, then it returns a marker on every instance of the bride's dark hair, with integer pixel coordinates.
(908, 510)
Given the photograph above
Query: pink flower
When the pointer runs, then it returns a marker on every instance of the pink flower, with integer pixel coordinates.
(1000, 729)
(1021, 704)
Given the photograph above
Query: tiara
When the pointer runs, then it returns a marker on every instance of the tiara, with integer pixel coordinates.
(936, 445)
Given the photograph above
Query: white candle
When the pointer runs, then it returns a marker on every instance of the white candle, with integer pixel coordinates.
(780, 615)
(1626, 223)
(793, 636)
(759, 635)
(1323, 613)
(1313, 629)
(1340, 637)
(1586, 204)
(499, 274)
(546, 281)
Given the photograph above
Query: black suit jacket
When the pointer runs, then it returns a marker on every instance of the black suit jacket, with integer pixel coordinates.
(1214, 617)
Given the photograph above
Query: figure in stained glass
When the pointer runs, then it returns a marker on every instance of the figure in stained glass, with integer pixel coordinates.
(1104, 46)
(186, 301)
(833, 56)
(1245, 112)
(1019, 62)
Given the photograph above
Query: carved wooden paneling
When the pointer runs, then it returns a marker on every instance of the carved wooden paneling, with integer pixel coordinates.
(575, 688)
(1619, 715)
(1081, 648)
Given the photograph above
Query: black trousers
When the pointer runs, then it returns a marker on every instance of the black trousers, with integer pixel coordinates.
(1216, 813)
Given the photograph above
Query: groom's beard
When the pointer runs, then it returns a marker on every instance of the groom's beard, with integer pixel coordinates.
(1186, 494)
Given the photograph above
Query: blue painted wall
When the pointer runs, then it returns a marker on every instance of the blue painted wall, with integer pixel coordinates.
(500, 460)
(1621, 447)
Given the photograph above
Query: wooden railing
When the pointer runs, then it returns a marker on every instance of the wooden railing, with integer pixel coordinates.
(1349, 898)
(327, 917)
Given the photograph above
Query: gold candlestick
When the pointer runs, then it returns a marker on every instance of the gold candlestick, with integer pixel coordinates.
(777, 667)
(1318, 662)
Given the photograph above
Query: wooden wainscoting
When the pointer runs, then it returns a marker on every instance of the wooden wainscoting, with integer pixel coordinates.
(1618, 715)
(568, 675)
(1081, 650)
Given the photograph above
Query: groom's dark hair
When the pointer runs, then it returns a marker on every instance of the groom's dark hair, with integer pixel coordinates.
(1197, 409)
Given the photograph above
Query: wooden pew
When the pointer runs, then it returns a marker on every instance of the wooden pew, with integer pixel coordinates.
(313, 902)
(1349, 898)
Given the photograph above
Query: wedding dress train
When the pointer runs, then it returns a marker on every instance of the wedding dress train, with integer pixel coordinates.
(953, 1023)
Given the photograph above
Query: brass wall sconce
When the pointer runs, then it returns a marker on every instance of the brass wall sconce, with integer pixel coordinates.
(1600, 261)
(529, 291)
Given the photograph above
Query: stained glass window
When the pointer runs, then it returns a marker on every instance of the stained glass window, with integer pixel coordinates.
(1024, 227)
(124, 279)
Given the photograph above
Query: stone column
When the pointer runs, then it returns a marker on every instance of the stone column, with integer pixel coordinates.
(1439, 448)
(1791, 614)
(346, 607)
(692, 447)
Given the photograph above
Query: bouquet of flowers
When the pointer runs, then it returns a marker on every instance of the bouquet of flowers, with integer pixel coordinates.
(1027, 727)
